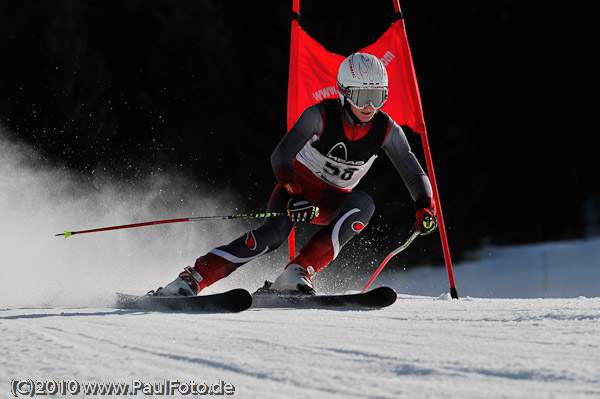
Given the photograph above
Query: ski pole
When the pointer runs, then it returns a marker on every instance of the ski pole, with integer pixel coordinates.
(395, 252)
(192, 219)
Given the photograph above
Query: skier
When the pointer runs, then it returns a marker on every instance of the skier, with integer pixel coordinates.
(317, 164)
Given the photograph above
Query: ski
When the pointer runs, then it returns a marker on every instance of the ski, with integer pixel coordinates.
(374, 299)
(235, 300)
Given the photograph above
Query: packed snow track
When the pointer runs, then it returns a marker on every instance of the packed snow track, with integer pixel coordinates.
(420, 347)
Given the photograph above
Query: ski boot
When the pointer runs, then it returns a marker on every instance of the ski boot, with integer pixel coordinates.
(186, 284)
(295, 279)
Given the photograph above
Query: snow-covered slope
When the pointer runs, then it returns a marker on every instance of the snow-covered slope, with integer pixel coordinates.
(548, 270)
(421, 347)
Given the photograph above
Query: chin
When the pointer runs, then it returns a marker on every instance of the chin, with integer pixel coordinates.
(366, 118)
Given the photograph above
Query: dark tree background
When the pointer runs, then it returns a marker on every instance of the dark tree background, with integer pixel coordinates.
(509, 91)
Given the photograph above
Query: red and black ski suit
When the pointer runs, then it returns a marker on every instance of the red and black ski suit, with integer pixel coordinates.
(325, 155)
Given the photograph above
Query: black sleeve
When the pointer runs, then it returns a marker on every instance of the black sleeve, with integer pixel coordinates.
(398, 150)
(309, 124)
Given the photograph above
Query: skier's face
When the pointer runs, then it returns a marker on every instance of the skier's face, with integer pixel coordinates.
(365, 114)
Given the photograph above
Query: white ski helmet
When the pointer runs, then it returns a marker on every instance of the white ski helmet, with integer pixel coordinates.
(362, 79)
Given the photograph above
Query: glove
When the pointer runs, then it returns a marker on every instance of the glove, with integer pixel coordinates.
(426, 219)
(299, 208)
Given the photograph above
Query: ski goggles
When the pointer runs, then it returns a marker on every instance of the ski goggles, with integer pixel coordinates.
(361, 97)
